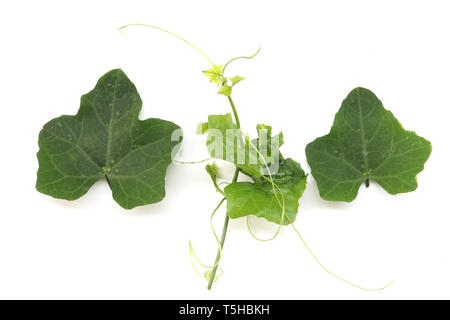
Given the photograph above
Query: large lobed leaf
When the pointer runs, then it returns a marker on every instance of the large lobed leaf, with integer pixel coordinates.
(366, 142)
(106, 139)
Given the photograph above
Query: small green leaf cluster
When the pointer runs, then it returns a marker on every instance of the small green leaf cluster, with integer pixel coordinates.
(226, 84)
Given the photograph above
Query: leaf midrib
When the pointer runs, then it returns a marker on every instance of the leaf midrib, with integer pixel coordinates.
(363, 142)
(110, 125)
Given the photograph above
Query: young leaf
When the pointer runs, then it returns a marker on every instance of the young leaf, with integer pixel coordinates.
(214, 74)
(266, 141)
(212, 169)
(236, 79)
(366, 142)
(225, 90)
(202, 128)
(106, 139)
(225, 142)
(245, 198)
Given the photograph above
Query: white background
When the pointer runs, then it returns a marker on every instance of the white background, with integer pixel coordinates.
(313, 53)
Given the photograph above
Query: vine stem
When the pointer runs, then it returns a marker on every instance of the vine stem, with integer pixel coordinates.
(236, 117)
(217, 186)
(225, 223)
(171, 33)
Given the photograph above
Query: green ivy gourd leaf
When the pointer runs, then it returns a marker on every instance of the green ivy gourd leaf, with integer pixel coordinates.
(236, 79)
(106, 139)
(366, 142)
(212, 169)
(202, 128)
(225, 142)
(225, 90)
(258, 198)
(214, 74)
(265, 142)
